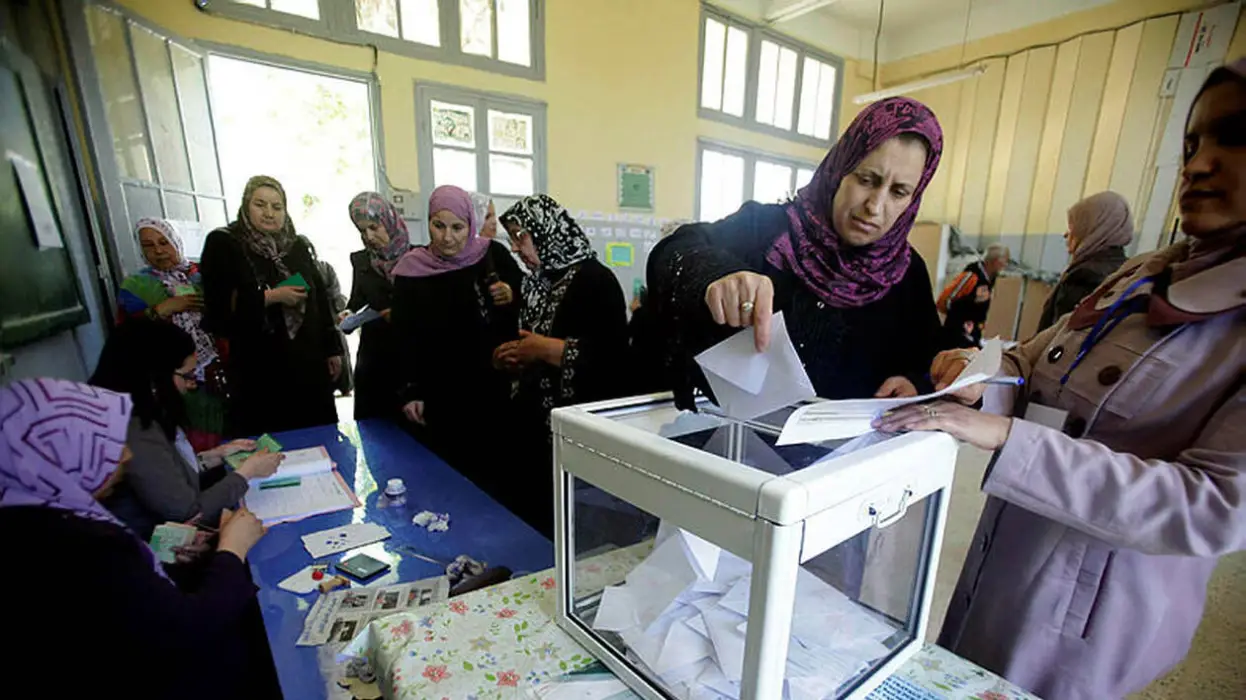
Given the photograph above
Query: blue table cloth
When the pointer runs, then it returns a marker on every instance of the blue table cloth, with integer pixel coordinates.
(368, 454)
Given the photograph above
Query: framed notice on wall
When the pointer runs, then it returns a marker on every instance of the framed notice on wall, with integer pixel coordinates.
(635, 187)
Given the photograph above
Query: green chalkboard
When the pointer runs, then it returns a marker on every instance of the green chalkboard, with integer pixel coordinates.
(40, 290)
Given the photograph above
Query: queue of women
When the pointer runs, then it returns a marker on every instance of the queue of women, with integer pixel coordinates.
(1119, 468)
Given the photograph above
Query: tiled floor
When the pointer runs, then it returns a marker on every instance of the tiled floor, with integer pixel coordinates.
(1215, 665)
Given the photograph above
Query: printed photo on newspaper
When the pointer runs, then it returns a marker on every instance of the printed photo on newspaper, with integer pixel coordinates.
(340, 615)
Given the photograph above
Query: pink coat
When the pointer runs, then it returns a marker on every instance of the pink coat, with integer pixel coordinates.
(1089, 568)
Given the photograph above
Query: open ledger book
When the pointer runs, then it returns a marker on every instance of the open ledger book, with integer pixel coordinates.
(305, 484)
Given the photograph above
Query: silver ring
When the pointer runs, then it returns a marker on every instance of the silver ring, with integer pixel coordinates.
(746, 308)
(931, 411)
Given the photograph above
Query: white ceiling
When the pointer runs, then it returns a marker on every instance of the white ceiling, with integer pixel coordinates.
(910, 27)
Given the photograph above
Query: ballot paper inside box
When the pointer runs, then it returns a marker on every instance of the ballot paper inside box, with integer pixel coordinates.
(770, 571)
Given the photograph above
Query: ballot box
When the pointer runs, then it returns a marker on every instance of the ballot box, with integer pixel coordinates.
(698, 559)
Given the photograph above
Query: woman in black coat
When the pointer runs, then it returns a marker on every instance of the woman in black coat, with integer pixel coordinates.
(377, 367)
(187, 630)
(453, 303)
(573, 345)
(1099, 229)
(856, 299)
(284, 348)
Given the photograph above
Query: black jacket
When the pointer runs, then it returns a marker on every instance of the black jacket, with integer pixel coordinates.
(847, 352)
(1078, 281)
(378, 372)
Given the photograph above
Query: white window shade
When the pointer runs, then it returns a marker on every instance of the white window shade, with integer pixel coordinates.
(722, 184)
(712, 64)
(772, 182)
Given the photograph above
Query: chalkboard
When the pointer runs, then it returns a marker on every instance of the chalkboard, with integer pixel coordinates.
(40, 295)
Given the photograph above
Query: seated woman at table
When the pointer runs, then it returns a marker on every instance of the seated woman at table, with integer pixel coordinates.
(170, 289)
(154, 631)
(378, 364)
(166, 481)
(284, 350)
(1099, 229)
(572, 346)
(453, 304)
(836, 260)
(1119, 475)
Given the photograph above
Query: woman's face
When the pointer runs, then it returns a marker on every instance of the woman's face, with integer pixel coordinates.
(521, 242)
(1213, 180)
(872, 197)
(266, 210)
(1070, 237)
(375, 236)
(448, 233)
(157, 249)
(490, 227)
(184, 376)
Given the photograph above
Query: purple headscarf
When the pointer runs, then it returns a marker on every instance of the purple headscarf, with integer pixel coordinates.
(61, 442)
(839, 274)
(372, 207)
(424, 261)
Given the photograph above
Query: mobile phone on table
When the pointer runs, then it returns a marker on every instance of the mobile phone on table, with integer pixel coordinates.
(362, 566)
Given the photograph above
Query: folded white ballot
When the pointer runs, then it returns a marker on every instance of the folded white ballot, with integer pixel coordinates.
(748, 383)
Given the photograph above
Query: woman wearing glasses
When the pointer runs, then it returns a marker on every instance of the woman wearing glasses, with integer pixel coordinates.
(166, 481)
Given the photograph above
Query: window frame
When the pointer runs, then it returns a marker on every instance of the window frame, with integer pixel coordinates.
(481, 101)
(337, 23)
(750, 156)
(756, 34)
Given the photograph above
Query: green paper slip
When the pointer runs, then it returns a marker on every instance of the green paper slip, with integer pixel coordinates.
(168, 536)
(184, 290)
(295, 280)
(265, 441)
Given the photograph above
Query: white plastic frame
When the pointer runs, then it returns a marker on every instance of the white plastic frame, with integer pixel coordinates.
(776, 522)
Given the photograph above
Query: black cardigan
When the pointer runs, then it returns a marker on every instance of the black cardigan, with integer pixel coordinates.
(377, 366)
(847, 352)
(100, 622)
(1078, 281)
(276, 382)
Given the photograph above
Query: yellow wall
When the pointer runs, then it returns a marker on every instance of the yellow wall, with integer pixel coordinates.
(621, 86)
(1066, 108)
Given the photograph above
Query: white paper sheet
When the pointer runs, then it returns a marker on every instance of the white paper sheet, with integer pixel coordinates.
(339, 539)
(836, 420)
(749, 384)
(304, 462)
(318, 493)
(300, 582)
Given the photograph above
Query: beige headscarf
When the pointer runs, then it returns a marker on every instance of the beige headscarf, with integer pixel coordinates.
(1099, 221)
(272, 246)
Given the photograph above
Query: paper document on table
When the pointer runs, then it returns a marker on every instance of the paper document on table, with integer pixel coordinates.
(314, 494)
(747, 383)
(339, 539)
(836, 420)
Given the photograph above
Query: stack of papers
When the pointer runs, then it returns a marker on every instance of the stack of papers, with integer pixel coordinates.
(836, 420)
(747, 383)
(683, 613)
(357, 319)
(306, 484)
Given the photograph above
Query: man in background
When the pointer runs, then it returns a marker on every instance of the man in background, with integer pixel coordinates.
(967, 299)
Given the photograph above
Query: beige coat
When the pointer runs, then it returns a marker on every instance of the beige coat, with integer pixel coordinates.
(1089, 569)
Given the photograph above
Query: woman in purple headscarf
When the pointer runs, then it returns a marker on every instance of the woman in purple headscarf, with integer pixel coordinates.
(62, 447)
(835, 260)
(454, 302)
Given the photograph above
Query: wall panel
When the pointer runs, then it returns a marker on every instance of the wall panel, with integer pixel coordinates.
(1005, 137)
(1112, 108)
(981, 142)
(1024, 164)
(1140, 126)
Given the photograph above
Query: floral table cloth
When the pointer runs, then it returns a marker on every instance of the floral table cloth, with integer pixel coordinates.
(502, 642)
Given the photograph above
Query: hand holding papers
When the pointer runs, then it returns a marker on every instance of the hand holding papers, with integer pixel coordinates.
(748, 383)
(357, 319)
(836, 420)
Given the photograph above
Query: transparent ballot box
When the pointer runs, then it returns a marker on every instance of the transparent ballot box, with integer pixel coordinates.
(698, 559)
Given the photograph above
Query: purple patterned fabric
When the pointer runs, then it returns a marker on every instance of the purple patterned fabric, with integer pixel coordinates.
(839, 274)
(61, 442)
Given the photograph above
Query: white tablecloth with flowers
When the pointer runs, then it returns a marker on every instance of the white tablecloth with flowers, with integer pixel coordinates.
(502, 642)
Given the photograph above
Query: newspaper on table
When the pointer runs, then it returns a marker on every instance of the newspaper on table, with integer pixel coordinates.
(339, 615)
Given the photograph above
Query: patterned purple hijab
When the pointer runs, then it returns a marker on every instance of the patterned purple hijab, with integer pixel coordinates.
(371, 207)
(424, 261)
(839, 274)
(61, 442)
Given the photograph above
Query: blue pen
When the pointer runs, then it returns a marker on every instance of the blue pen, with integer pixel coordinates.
(1008, 381)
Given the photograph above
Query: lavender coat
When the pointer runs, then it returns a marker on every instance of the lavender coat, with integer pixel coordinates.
(1089, 569)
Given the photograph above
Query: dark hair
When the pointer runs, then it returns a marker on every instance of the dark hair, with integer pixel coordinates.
(139, 359)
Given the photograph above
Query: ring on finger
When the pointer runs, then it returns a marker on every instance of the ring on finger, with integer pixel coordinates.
(931, 411)
(746, 308)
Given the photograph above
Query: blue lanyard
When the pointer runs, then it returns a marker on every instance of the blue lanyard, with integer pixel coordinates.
(1117, 312)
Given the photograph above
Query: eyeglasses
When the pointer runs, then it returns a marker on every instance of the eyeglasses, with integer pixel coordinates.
(186, 376)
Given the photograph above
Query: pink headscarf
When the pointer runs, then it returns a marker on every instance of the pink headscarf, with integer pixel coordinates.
(424, 261)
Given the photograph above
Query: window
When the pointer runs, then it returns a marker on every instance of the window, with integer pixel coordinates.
(498, 35)
(481, 142)
(791, 90)
(729, 176)
(154, 118)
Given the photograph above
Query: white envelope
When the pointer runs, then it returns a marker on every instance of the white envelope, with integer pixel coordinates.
(748, 384)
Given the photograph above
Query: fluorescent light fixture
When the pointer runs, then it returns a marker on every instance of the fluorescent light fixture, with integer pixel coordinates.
(787, 10)
(932, 81)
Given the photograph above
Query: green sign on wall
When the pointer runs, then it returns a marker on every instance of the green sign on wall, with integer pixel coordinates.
(635, 187)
